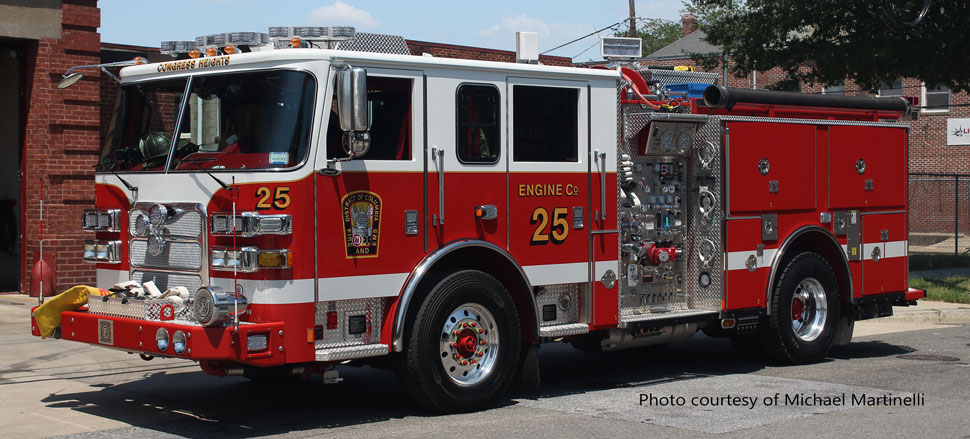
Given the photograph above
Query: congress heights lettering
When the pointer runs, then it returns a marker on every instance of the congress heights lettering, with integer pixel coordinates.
(189, 64)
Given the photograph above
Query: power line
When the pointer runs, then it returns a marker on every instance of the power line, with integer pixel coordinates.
(582, 37)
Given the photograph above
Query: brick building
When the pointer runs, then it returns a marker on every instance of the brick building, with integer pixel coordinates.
(940, 203)
(50, 136)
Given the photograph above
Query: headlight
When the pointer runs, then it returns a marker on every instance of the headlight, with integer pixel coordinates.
(161, 339)
(101, 251)
(100, 220)
(141, 225)
(249, 224)
(158, 214)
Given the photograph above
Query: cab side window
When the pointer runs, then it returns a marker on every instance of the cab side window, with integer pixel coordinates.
(478, 124)
(545, 124)
(390, 131)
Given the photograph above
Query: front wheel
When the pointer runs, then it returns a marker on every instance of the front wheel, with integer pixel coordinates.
(804, 311)
(463, 346)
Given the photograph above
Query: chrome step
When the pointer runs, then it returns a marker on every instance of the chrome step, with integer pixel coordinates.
(563, 330)
(351, 352)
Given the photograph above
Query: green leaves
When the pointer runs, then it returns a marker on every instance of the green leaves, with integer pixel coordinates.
(829, 41)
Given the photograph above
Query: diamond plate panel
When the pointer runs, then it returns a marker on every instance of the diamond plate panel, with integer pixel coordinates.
(378, 43)
(565, 297)
(675, 77)
(177, 255)
(372, 310)
(165, 280)
(706, 229)
(140, 309)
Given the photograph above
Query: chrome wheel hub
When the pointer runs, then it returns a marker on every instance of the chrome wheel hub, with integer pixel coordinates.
(809, 309)
(469, 344)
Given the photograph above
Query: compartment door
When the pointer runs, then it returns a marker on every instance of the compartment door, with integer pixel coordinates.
(771, 167)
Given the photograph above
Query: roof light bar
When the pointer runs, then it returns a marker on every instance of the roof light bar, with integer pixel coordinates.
(282, 35)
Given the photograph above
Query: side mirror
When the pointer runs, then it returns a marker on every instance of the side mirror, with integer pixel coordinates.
(70, 80)
(352, 99)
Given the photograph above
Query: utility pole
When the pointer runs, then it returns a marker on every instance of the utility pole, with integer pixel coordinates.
(633, 19)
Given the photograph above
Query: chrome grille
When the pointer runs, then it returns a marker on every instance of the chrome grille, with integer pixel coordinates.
(177, 255)
(164, 280)
(183, 260)
(187, 226)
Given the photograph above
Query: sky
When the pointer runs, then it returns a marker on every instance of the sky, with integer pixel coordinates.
(489, 24)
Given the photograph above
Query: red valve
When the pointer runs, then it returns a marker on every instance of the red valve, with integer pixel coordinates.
(659, 255)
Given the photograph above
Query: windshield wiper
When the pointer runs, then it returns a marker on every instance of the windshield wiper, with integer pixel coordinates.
(129, 186)
(196, 162)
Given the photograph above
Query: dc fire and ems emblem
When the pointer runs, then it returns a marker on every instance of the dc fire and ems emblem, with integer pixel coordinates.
(362, 220)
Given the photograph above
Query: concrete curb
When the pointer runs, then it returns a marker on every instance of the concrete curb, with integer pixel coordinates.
(932, 315)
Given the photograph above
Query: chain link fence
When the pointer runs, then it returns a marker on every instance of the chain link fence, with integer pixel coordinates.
(939, 213)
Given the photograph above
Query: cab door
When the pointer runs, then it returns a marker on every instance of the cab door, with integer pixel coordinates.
(465, 161)
(549, 179)
(369, 234)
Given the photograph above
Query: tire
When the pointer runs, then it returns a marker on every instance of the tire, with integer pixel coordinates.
(804, 311)
(462, 349)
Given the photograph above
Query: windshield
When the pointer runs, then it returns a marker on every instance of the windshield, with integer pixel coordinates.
(140, 133)
(258, 120)
(255, 120)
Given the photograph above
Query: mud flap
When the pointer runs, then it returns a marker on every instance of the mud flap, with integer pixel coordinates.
(843, 332)
(527, 377)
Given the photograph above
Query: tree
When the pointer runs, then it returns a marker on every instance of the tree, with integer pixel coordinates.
(654, 32)
(827, 41)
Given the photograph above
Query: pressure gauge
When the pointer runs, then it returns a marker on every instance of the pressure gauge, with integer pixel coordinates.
(684, 140)
(667, 140)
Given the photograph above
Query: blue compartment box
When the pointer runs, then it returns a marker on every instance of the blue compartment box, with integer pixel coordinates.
(693, 90)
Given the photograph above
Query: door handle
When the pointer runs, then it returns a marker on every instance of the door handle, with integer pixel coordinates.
(600, 158)
(438, 154)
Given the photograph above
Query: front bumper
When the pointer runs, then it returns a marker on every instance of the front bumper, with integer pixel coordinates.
(223, 343)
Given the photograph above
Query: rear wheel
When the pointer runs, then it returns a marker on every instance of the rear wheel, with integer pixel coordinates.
(804, 311)
(462, 349)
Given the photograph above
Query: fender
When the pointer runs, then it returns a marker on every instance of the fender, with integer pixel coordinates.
(780, 254)
(423, 268)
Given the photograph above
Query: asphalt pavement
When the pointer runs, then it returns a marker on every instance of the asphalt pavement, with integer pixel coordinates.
(699, 388)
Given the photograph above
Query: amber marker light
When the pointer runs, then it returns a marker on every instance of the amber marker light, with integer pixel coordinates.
(139, 60)
(210, 51)
(296, 42)
(194, 53)
(230, 49)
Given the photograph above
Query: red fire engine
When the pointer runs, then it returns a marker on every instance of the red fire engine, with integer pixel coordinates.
(298, 208)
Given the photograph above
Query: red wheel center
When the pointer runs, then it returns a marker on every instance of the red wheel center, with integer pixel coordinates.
(797, 308)
(467, 343)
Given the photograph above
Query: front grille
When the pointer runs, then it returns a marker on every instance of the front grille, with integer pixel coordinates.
(182, 261)
(165, 280)
(178, 255)
(187, 226)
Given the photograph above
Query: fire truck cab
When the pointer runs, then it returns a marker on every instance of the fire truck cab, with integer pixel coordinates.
(305, 207)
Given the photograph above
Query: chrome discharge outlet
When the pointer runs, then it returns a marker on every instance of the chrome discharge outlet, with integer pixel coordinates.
(213, 306)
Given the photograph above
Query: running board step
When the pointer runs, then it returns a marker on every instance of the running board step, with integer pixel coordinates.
(351, 352)
(563, 330)
(692, 314)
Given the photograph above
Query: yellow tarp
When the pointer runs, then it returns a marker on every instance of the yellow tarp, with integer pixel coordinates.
(48, 315)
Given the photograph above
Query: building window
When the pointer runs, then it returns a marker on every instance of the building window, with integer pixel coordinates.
(478, 124)
(936, 98)
(834, 89)
(892, 88)
(545, 124)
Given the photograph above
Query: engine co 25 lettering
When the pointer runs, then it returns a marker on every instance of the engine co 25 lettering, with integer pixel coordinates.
(544, 232)
(280, 200)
